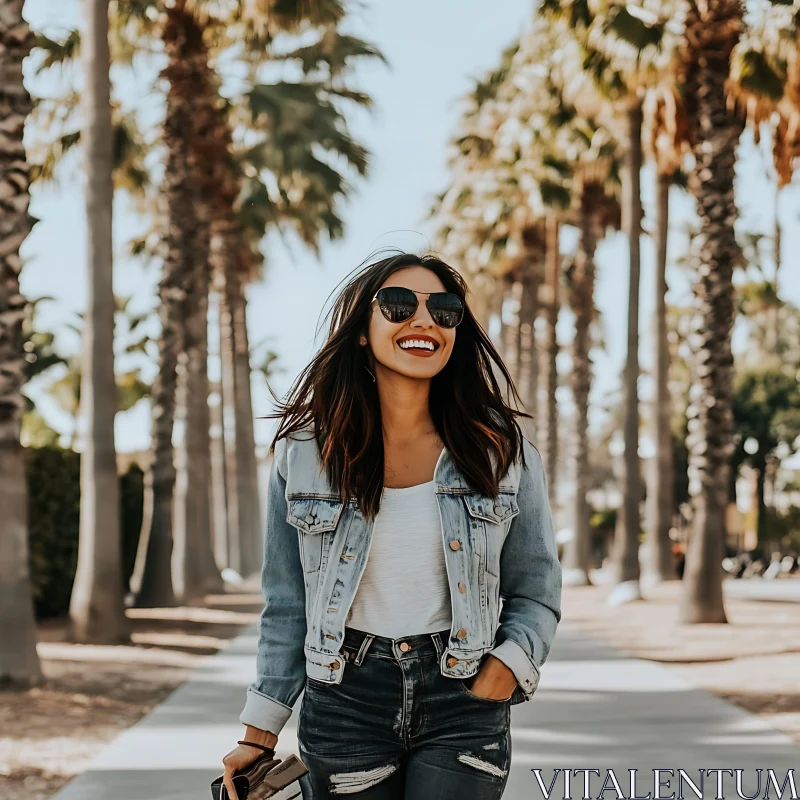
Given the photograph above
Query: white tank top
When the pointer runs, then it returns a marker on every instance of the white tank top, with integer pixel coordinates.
(404, 588)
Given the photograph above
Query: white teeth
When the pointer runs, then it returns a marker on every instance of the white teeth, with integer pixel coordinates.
(417, 343)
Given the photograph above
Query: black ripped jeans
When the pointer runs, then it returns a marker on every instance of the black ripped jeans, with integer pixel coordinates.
(396, 729)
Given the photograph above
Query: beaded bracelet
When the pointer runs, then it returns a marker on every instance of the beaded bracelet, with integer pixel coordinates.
(259, 746)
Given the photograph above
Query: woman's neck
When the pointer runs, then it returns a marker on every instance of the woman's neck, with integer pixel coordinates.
(404, 407)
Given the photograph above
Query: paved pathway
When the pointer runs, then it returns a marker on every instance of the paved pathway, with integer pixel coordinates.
(595, 708)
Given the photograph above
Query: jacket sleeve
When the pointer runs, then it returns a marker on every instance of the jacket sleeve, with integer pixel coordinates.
(530, 581)
(280, 663)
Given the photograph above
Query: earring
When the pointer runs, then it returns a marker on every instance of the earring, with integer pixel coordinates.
(368, 370)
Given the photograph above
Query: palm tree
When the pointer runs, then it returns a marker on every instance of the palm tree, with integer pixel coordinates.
(624, 47)
(97, 612)
(552, 308)
(19, 661)
(712, 31)
(665, 138)
(155, 584)
(194, 569)
(207, 166)
(596, 208)
(289, 124)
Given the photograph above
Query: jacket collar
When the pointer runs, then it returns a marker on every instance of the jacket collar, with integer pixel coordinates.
(306, 475)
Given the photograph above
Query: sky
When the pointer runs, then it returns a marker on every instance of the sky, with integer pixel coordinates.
(436, 52)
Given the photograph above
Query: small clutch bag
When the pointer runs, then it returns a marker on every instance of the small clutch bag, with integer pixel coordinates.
(266, 777)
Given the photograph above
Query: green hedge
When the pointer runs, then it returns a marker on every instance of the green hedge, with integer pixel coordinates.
(53, 523)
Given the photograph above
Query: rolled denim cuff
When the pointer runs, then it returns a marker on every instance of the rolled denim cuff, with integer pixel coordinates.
(519, 662)
(264, 712)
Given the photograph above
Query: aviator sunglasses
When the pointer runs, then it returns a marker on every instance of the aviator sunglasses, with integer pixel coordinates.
(398, 304)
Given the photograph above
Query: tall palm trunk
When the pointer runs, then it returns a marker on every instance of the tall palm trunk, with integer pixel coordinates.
(236, 379)
(194, 568)
(218, 472)
(248, 470)
(496, 311)
(576, 555)
(626, 543)
(97, 611)
(527, 353)
(19, 661)
(511, 326)
(712, 31)
(661, 493)
(223, 251)
(552, 281)
(219, 484)
(180, 191)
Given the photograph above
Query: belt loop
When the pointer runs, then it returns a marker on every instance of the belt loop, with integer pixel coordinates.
(437, 643)
(362, 651)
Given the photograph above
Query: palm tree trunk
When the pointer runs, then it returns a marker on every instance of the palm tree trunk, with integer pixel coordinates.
(194, 570)
(19, 661)
(626, 560)
(661, 492)
(223, 250)
(246, 442)
(180, 191)
(496, 311)
(526, 343)
(552, 281)
(219, 490)
(576, 553)
(528, 356)
(97, 610)
(243, 442)
(511, 328)
(712, 31)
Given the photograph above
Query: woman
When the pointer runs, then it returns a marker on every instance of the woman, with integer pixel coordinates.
(386, 607)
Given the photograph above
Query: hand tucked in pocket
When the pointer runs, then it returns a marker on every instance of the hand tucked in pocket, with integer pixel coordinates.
(494, 680)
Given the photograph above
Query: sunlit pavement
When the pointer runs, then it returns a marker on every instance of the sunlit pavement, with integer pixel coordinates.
(594, 709)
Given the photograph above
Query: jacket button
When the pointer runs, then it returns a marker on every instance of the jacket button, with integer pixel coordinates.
(405, 646)
(334, 665)
(462, 634)
(309, 519)
(451, 662)
(455, 544)
(462, 588)
(498, 509)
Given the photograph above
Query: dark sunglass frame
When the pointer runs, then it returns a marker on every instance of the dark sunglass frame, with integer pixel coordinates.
(452, 306)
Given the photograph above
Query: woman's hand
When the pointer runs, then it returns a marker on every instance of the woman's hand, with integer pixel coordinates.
(244, 755)
(494, 680)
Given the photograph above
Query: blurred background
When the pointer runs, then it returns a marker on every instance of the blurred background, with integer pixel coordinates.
(183, 187)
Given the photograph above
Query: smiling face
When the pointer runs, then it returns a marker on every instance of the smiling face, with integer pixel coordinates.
(404, 347)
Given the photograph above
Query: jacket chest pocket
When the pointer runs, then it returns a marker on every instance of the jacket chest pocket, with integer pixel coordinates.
(313, 516)
(494, 514)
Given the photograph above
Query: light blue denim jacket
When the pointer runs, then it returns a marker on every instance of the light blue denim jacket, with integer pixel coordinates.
(316, 548)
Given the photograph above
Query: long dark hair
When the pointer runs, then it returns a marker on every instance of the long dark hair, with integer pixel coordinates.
(337, 395)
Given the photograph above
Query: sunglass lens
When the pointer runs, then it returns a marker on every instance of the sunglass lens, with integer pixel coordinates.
(447, 309)
(396, 303)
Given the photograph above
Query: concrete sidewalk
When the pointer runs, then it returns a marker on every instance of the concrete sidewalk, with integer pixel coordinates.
(595, 709)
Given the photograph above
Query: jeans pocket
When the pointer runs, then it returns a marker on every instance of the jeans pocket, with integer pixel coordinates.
(491, 700)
